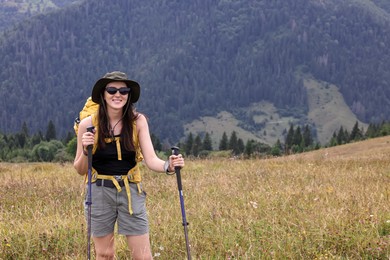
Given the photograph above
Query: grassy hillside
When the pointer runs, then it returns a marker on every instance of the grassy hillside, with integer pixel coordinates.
(328, 204)
(372, 149)
(328, 110)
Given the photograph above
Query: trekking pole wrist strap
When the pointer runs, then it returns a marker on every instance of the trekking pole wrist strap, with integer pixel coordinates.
(166, 168)
(85, 152)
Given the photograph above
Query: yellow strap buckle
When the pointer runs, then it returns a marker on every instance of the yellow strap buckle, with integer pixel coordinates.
(115, 180)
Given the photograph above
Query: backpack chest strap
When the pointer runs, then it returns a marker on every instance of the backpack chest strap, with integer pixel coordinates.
(118, 145)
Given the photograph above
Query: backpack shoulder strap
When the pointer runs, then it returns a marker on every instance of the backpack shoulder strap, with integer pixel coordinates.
(95, 123)
(138, 154)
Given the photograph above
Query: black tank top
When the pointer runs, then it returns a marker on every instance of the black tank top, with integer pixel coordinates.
(105, 161)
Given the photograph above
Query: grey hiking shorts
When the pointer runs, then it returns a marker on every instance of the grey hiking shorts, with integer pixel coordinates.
(110, 206)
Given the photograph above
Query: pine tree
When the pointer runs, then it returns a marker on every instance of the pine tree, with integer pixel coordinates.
(347, 136)
(356, 134)
(276, 149)
(51, 131)
(384, 129)
(289, 138)
(248, 148)
(36, 138)
(197, 146)
(189, 143)
(372, 131)
(233, 143)
(223, 144)
(207, 143)
(240, 146)
(25, 130)
(297, 138)
(340, 136)
(20, 140)
(307, 138)
(333, 140)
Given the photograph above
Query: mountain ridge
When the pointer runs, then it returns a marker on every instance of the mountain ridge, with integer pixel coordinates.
(195, 60)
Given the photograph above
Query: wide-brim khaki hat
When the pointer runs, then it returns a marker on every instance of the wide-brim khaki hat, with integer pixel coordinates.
(115, 76)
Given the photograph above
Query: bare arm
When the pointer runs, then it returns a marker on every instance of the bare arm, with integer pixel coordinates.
(83, 140)
(152, 161)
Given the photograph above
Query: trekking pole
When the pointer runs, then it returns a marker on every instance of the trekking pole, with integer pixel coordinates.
(175, 151)
(89, 195)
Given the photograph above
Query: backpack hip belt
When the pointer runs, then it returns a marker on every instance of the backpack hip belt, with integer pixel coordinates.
(132, 176)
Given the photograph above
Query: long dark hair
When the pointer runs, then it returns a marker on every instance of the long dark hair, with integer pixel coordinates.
(128, 117)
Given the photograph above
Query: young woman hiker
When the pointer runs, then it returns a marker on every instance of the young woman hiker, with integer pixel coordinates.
(120, 140)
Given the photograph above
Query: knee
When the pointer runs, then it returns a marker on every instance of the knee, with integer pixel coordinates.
(105, 254)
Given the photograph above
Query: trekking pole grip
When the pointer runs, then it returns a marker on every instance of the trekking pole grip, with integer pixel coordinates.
(175, 151)
(89, 149)
(90, 129)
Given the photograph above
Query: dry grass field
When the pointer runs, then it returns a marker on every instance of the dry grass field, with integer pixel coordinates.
(328, 204)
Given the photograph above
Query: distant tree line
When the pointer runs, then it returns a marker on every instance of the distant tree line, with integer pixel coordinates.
(343, 136)
(198, 146)
(297, 140)
(45, 147)
(39, 147)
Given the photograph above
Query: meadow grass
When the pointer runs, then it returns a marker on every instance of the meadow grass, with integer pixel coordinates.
(296, 207)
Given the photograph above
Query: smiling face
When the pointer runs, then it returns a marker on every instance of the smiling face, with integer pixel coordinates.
(117, 100)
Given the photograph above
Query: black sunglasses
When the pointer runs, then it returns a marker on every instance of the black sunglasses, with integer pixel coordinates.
(122, 91)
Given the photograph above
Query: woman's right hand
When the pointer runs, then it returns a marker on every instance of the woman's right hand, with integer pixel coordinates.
(87, 139)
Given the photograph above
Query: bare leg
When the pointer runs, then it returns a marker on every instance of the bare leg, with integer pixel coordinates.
(104, 247)
(140, 247)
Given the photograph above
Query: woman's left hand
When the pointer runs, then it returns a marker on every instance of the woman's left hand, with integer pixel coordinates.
(175, 161)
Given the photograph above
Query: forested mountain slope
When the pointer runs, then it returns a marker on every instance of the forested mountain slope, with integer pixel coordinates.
(15, 11)
(196, 58)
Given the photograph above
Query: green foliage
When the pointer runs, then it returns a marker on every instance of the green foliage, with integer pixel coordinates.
(356, 133)
(298, 141)
(71, 147)
(385, 129)
(189, 144)
(197, 146)
(62, 155)
(51, 131)
(46, 151)
(207, 143)
(223, 144)
(374, 130)
(277, 149)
